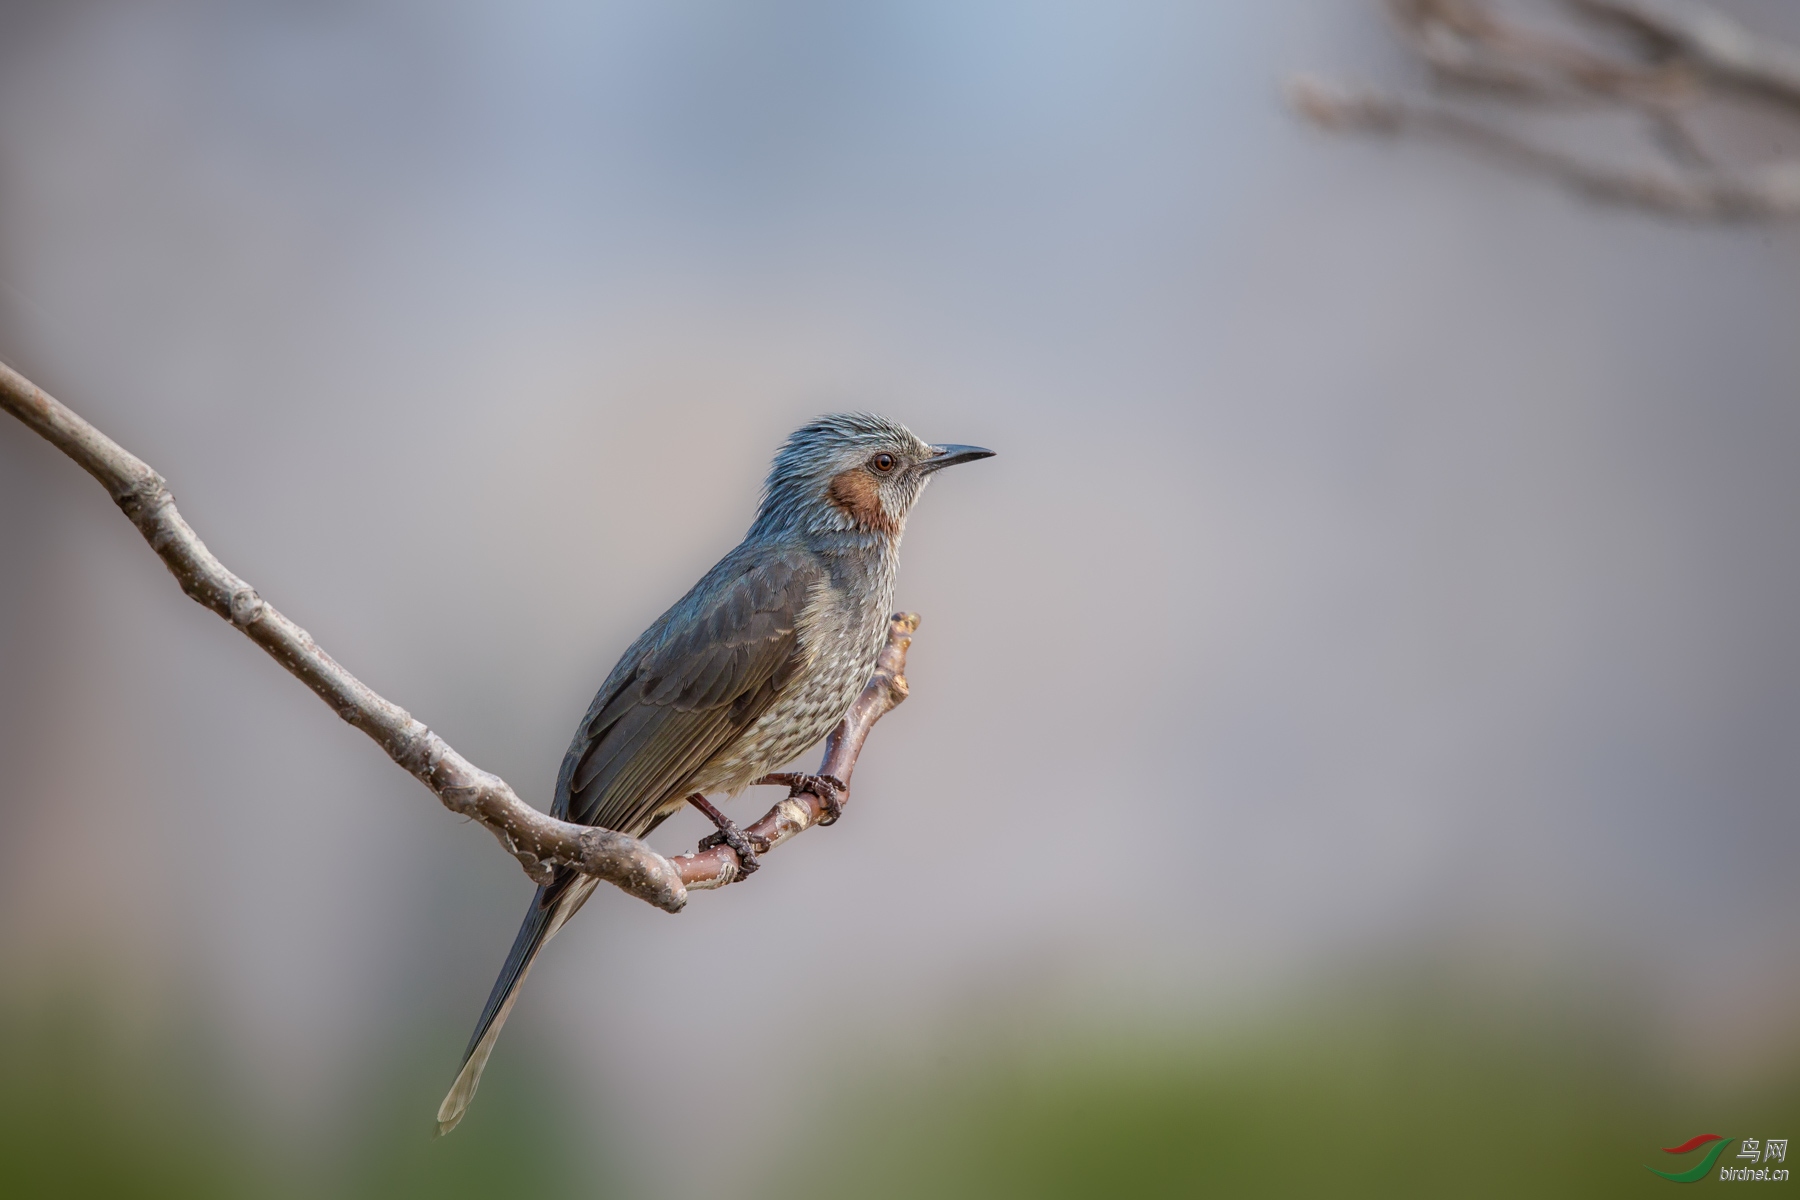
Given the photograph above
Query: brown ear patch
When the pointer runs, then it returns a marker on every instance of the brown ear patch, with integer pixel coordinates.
(855, 493)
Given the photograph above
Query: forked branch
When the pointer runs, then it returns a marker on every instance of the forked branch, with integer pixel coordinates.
(540, 842)
(1682, 53)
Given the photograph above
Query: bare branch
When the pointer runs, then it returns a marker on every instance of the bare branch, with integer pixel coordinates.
(1773, 191)
(1715, 42)
(1467, 44)
(540, 842)
(1464, 42)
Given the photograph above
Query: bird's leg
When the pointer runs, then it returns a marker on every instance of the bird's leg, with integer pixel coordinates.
(729, 834)
(831, 791)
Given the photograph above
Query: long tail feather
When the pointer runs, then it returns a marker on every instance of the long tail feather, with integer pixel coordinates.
(540, 925)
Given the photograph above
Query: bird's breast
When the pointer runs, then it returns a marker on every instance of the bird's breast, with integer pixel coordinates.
(842, 639)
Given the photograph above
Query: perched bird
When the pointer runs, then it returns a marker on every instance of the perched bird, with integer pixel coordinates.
(756, 663)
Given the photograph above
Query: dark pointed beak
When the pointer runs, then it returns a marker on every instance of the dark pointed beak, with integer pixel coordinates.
(949, 456)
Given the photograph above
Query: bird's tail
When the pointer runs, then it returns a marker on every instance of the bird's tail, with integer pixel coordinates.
(541, 923)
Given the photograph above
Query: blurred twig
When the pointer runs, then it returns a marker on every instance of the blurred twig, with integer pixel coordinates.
(1683, 49)
(1711, 41)
(540, 842)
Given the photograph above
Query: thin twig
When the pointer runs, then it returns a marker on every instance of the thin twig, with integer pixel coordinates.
(1771, 192)
(1466, 43)
(540, 842)
(1718, 44)
(1463, 41)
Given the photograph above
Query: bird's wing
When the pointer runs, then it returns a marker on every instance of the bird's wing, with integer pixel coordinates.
(713, 673)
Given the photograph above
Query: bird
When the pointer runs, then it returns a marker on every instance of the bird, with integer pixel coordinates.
(760, 660)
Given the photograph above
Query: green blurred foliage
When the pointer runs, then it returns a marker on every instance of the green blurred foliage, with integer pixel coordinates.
(520, 1138)
(87, 1111)
(1402, 1095)
(1411, 1091)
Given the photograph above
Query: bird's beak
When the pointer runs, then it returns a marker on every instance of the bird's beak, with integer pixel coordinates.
(949, 456)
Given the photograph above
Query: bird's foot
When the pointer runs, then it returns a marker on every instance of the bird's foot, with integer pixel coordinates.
(831, 791)
(729, 835)
(741, 842)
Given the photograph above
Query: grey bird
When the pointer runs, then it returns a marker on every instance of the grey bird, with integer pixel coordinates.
(757, 662)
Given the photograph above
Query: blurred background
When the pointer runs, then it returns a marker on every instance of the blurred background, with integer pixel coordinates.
(1353, 736)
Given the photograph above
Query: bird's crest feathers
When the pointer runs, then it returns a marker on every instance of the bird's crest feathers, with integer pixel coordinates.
(829, 460)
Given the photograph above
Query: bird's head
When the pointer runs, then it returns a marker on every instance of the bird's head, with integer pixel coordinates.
(853, 473)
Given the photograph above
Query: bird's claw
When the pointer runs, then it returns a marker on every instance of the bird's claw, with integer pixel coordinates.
(728, 835)
(830, 790)
(745, 846)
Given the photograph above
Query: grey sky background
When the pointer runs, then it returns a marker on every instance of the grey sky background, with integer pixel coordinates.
(1383, 552)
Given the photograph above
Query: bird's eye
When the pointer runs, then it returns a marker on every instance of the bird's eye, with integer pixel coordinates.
(882, 462)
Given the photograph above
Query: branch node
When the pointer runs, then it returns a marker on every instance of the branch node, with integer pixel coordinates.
(416, 749)
(246, 607)
(143, 500)
(463, 799)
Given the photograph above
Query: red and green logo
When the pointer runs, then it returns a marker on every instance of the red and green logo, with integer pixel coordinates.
(1698, 1170)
